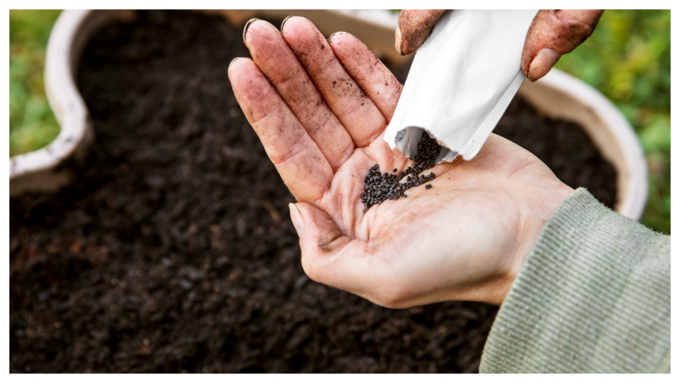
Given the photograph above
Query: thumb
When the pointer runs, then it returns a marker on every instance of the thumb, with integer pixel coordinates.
(317, 231)
(334, 259)
(321, 241)
(552, 34)
(414, 27)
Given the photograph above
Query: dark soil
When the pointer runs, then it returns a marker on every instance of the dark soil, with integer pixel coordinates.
(173, 251)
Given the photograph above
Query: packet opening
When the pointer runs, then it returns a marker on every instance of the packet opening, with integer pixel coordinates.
(407, 141)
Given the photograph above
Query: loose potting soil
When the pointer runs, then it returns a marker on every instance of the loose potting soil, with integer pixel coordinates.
(173, 250)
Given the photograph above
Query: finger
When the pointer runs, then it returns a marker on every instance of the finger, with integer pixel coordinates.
(542, 63)
(414, 27)
(275, 59)
(354, 109)
(552, 34)
(298, 160)
(334, 259)
(376, 81)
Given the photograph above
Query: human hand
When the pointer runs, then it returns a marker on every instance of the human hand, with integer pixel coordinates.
(320, 109)
(551, 34)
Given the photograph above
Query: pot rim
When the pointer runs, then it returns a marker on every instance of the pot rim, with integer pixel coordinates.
(68, 107)
(633, 205)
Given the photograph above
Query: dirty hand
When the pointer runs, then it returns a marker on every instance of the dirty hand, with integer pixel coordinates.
(320, 109)
(552, 34)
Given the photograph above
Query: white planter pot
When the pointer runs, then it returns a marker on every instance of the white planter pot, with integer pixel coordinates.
(557, 95)
(564, 96)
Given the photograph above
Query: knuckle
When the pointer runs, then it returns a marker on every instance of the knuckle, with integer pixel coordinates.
(294, 152)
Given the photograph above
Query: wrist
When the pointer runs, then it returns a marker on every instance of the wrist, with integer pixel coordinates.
(527, 235)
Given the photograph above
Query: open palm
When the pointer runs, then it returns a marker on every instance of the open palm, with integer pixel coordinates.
(320, 109)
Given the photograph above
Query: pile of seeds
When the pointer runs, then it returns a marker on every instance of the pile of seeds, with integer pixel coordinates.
(379, 188)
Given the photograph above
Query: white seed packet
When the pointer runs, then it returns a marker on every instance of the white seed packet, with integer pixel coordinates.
(462, 79)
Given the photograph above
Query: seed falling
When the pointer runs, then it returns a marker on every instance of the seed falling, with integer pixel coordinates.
(380, 187)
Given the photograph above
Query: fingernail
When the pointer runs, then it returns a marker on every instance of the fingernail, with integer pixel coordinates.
(232, 61)
(245, 28)
(331, 37)
(296, 217)
(284, 22)
(542, 63)
(397, 40)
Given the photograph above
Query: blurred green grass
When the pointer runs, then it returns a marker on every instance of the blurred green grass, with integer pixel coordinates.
(627, 58)
(31, 122)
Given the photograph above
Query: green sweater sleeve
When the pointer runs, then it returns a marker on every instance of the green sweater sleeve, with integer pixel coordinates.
(592, 296)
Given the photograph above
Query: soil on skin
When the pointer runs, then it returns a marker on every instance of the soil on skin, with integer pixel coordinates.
(174, 250)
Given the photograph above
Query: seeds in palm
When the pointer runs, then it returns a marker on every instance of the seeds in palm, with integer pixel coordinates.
(381, 187)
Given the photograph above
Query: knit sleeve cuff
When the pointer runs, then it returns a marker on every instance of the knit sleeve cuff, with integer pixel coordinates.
(592, 296)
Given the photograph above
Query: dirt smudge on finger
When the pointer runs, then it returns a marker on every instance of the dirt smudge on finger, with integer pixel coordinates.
(415, 26)
(560, 30)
